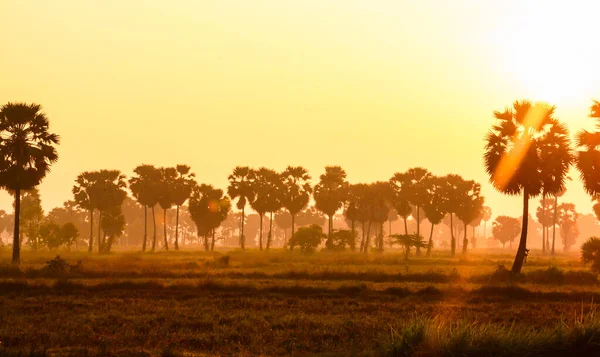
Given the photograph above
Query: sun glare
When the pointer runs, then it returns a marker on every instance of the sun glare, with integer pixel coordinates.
(551, 53)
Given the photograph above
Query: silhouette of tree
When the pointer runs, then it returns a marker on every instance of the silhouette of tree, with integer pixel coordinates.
(470, 205)
(435, 209)
(392, 216)
(32, 215)
(283, 219)
(569, 231)
(181, 191)
(240, 186)
(505, 229)
(450, 188)
(556, 217)
(546, 220)
(296, 191)
(486, 216)
(49, 233)
(145, 188)
(165, 197)
(27, 150)
(208, 207)
(113, 226)
(518, 145)
(308, 238)
(330, 194)
(408, 241)
(590, 253)
(273, 199)
(69, 213)
(588, 154)
(87, 195)
(265, 194)
(356, 210)
(378, 206)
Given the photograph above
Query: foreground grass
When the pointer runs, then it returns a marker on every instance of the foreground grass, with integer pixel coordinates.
(277, 303)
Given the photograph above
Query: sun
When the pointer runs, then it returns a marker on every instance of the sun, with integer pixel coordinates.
(552, 51)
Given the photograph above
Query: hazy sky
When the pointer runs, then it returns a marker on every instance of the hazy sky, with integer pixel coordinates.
(374, 86)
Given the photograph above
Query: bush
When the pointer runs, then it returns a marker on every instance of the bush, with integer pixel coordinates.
(307, 238)
(590, 253)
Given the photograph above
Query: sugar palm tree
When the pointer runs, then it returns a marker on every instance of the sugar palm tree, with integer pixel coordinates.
(165, 197)
(274, 200)
(296, 191)
(450, 190)
(86, 193)
(471, 204)
(208, 208)
(330, 194)
(435, 208)
(416, 187)
(399, 187)
(486, 216)
(181, 190)
(27, 150)
(144, 187)
(110, 187)
(262, 187)
(240, 186)
(354, 209)
(522, 139)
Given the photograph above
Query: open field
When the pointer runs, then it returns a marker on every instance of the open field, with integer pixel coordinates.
(281, 303)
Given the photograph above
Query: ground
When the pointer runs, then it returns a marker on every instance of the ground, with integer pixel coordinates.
(282, 303)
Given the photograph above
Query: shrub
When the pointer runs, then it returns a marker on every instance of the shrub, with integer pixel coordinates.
(308, 238)
(590, 253)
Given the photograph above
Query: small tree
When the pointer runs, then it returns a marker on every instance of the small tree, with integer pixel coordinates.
(308, 238)
(408, 241)
(590, 253)
(341, 239)
(505, 229)
(69, 234)
(50, 235)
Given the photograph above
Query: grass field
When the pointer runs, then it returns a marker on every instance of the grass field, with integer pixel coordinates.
(276, 303)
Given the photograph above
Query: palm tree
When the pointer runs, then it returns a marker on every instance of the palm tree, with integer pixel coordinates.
(27, 149)
(407, 241)
(165, 198)
(522, 139)
(262, 187)
(144, 189)
(486, 216)
(471, 204)
(449, 187)
(110, 188)
(399, 185)
(240, 186)
(181, 191)
(378, 206)
(208, 208)
(296, 191)
(354, 210)
(435, 208)
(330, 194)
(86, 193)
(274, 199)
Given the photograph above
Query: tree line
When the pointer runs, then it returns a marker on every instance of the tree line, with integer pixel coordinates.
(528, 151)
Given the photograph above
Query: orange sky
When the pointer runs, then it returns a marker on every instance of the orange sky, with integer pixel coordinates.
(374, 86)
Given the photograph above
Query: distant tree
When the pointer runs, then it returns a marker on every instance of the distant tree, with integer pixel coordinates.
(392, 216)
(166, 198)
(588, 154)
(50, 235)
(87, 194)
(283, 219)
(470, 206)
(32, 215)
(590, 253)
(145, 188)
(274, 200)
(27, 150)
(435, 209)
(520, 144)
(262, 186)
(356, 210)
(505, 229)
(408, 241)
(208, 208)
(330, 194)
(113, 226)
(181, 191)
(545, 219)
(569, 231)
(556, 217)
(240, 186)
(69, 213)
(450, 188)
(296, 191)
(308, 238)
(378, 203)
(487, 215)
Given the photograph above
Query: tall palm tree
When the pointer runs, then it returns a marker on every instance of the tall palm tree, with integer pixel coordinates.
(330, 194)
(522, 139)
(417, 192)
(27, 149)
(86, 193)
(181, 191)
(165, 198)
(110, 188)
(261, 186)
(208, 208)
(144, 187)
(471, 204)
(435, 208)
(296, 191)
(450, 188)
(354, 209)
(486, 216)
(274, 200)
(240, 186)
(399, 186)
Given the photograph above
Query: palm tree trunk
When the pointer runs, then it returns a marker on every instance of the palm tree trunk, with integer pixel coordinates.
(353, 247)
(292, 235)
(367, 242)
(452, 240)
(177, 230)
(430, 244)
(485, 230)
(473, 240)
(154, 224)
(260, 232)
(405, 225)
(91, 242)
(100, 242)
(242, 238)
(418, 251)
(328, 242)
(212, 243)
(522, 250)
(544, 223)
(165, 229)
(362, 241)
(390, 230)
(554, 221)
(16, 256)
(465, 241)
(270, 236)
(145, 242)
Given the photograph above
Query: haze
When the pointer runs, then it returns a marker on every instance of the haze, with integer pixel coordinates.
(375, 87)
